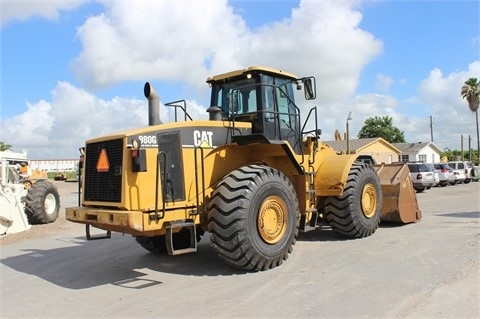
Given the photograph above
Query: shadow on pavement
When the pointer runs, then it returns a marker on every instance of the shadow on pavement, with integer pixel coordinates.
(82, 264)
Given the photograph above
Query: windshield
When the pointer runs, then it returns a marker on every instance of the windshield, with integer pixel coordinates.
(236, 97)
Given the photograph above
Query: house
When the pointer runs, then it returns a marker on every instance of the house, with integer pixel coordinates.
(381, 150)
(426, 152)
(55, 165)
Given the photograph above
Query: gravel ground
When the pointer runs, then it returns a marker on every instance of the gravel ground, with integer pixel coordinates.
(68, 197)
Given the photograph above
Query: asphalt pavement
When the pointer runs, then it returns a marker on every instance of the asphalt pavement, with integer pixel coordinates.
(428, 269)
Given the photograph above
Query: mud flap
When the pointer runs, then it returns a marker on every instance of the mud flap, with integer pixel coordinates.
(399, 197)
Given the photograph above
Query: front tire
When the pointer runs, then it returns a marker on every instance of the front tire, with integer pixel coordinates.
(356, 213)
(42, 203)
(254, 218)
(420, 189)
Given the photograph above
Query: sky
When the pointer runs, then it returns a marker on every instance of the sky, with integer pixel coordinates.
(74, 70)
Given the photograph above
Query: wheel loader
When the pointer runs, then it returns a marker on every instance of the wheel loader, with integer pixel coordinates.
(252, 176)
(23, 205)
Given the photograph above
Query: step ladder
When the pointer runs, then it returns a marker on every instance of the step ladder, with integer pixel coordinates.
(169, 237)
(311, 210)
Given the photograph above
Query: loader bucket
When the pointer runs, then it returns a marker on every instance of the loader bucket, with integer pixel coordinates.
(399, 197)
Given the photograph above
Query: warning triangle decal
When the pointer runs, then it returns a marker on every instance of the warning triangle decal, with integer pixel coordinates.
(102, 164)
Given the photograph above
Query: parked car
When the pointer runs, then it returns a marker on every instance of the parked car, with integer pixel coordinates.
(436, 178)
(473, 171)
(422, 176)
(464, 169)
(445, 174)
(366, 159)
(60, 176)
(476, 171)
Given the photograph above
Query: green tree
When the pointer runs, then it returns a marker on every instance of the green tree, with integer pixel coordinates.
(471, 93)
(456, 155)
(5, 147)
(381, 127)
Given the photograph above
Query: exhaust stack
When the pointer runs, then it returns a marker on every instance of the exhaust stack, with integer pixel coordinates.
(153, 105)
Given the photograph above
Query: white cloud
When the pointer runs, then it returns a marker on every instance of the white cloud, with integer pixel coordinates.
(56, 129)
(452, 117)
(159, 40)
(162, 40)
(12, 10)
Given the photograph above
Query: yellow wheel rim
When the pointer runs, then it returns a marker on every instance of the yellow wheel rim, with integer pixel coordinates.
(272, 219)
(369, 200)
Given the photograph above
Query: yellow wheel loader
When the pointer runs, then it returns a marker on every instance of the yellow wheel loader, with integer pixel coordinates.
(252, 176)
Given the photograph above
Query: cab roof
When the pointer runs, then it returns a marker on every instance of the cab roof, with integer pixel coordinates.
(251, 69)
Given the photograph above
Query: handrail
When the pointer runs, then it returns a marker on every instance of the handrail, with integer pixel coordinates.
(184, 109)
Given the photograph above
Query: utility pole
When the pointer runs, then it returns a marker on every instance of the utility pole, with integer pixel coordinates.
(469, 148)
(478, 139)
(461, 147)
(431, 128)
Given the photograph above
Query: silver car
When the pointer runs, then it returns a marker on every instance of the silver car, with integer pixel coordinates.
(422, 176)
(461, 169)
(436, 177)
(445, 174)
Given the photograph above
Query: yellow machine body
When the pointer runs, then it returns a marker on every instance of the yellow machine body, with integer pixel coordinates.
(247, 175)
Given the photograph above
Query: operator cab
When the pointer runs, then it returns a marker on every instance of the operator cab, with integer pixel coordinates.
(264, 97)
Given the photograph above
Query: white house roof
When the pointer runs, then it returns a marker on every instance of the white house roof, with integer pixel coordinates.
(417, 147)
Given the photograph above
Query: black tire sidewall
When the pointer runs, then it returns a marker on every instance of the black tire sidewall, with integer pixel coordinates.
(35, 203)
(156, 244)
(369, 177)
(262, 192)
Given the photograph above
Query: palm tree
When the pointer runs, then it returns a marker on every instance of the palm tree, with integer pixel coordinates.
(471, 93)
(5, 147)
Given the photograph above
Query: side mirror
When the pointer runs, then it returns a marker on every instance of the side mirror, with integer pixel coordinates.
(309, 85)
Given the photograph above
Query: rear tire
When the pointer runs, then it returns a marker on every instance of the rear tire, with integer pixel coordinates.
(254, 218)
(356, 213)
(42, 203)
(156, 244)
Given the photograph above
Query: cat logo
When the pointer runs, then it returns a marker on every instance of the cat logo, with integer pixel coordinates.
(102, 164)
(202, 139)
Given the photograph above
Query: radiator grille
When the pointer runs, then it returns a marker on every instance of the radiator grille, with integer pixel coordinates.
(103, 186)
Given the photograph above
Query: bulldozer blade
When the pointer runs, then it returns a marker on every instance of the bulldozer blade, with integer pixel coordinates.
(399, 197)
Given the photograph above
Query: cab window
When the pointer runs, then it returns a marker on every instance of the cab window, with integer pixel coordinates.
(236, 98)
